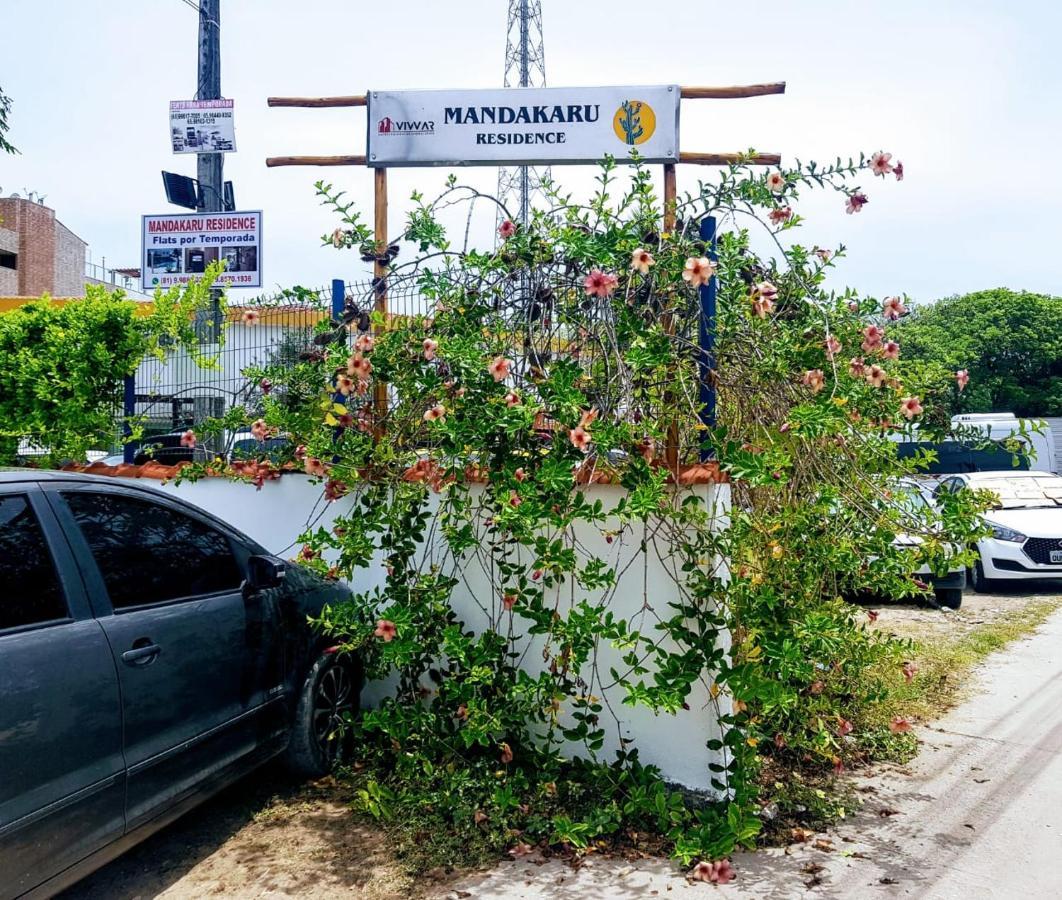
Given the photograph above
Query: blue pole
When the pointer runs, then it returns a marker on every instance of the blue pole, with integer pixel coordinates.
(706, 358)
(128, 411)
(338, 298)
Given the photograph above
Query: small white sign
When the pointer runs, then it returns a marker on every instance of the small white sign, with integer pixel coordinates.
(202, 126)
(523, 126)
(178, 248)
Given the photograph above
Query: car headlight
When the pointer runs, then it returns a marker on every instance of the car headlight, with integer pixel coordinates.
(1002, 533)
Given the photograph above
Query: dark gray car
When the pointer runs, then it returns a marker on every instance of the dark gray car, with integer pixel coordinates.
(150, 654)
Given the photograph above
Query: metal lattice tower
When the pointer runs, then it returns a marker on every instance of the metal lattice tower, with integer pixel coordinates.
(525, 66)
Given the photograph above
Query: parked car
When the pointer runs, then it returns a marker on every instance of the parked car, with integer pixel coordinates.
(150, 654)
(947, 588)
(1026, 522)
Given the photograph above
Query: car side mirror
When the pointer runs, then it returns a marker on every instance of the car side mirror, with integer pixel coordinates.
(265, 572)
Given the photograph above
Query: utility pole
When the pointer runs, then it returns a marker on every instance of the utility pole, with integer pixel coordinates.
(210, 164)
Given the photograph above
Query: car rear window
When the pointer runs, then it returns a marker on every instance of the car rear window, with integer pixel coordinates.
(29, 585)
(149, 553)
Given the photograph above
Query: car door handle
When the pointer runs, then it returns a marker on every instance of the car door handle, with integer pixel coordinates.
(144, 653)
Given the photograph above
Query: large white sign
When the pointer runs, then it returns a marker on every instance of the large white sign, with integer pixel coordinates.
(523, 125)
(202, 126)
(178, 248)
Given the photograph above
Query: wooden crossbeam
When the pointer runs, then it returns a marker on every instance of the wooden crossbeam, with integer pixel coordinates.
(734, 92)
(315, 161)
(318, 102)
(725, 159)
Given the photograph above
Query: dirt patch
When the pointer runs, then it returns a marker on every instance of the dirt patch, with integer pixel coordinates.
(263, 837)
(924, 623)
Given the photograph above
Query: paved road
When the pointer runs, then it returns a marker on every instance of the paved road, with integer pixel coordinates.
(977, 816)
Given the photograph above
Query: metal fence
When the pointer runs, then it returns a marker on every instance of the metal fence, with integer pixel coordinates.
(175, 393)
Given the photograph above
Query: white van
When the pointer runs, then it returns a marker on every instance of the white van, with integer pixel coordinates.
(1000, 426)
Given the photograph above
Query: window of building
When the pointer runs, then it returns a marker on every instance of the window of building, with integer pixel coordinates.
(8, 260)
(29, 585)
(148, 553)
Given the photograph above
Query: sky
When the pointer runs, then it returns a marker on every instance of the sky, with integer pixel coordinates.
(965, 92)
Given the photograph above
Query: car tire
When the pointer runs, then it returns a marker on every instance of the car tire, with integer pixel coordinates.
(330, 691)
(951, 598)
(981, 584)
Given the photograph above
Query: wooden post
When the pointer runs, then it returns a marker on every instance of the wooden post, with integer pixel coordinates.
(671, 448)
(670, 196)
(379, 271)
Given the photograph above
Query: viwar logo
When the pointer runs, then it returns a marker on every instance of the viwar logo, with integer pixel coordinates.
(387, 125)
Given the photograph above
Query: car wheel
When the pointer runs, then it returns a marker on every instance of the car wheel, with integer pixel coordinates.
(329, 694)
(980, 583)
(949, 597)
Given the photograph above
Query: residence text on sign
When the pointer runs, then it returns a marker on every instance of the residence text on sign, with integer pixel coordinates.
(523, 126)
(178, 248)
(202, 126)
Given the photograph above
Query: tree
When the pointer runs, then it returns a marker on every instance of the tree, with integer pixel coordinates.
(1010, 342)
(5, 109)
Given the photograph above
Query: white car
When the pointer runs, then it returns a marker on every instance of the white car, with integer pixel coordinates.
(1026, 522)
(947, 588)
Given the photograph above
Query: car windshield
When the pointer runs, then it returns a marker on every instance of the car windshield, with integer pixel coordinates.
(1024, 493)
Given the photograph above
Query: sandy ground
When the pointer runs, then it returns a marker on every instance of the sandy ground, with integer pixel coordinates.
(977, 815)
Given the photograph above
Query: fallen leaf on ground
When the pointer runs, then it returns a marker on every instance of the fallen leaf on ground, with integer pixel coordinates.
(823, 845)
(802, 835)
(886, 811)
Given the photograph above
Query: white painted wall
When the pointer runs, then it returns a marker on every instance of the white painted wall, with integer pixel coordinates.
(277, 514)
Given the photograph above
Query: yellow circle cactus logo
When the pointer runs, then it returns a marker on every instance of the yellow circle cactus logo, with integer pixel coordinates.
(634, 122)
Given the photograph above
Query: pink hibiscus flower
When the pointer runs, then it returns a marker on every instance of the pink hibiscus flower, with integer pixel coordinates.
(910, 407)
(698, 271)
(833, 346)
(814, 379)
(890, 350)
(880, 165)
(385, 630)
(962, 378)
(507, 229)
(844, 727)
(894, 308)
(512, 399)
(436, 414)
(499, 368)
(365, 343)
(897, 170)
(188, 438)
(719, 872)
(250, 317)
(359, 367)
(430, 347)
(259, 430)
(876, 376)
(780, 215)
(857, 367)
(776, 182)
(314, 467)
(899, 725)
(580, 438)
(909, 670)
(520, 474)
(599, 284)
(641, 261)
(344, 384)
(872, 336)
(856, 202)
